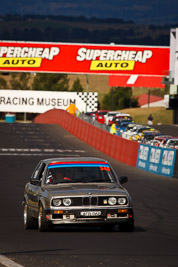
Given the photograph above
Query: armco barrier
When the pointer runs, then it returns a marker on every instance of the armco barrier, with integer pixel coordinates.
(120, 149)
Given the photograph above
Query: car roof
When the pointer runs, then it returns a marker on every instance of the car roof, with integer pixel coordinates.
(102, 110)
(73, 159)
(151, 133)
(173, 138)
(122, 115)
(115, 112)
(132, 124)
(128, 121)
(162, 137)
(166, 138)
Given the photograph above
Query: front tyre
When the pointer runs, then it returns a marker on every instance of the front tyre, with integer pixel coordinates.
(29, 222)
(43, 224)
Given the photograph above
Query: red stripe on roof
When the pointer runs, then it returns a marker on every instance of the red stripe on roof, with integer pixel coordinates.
(78, 162)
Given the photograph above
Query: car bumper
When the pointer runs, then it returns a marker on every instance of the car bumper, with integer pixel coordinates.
(75, 216)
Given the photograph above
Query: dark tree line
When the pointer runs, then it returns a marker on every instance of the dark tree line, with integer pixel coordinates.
(41, 82)
(83, 36)
(58, 32)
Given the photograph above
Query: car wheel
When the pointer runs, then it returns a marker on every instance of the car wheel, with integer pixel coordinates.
(127, 227)
(29, 222)
(43, 224)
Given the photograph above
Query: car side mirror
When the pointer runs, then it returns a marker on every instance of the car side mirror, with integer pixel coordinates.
(35, 182)
(123, 179)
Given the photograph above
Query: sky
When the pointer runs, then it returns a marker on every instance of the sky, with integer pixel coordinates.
(140, 11)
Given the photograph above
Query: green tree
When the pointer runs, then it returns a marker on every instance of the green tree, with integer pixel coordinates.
(119, 98)
(3, 83)
(19, 81)
(77, 87)
(50, 82)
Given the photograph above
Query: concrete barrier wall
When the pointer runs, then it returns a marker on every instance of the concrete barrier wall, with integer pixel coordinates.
(118, 148)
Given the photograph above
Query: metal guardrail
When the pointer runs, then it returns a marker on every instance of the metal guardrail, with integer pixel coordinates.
(93, 121)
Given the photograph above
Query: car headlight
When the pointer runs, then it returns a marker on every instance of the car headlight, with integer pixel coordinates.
(67, 201)
(112, 201)
(122, 201)
(57, 202)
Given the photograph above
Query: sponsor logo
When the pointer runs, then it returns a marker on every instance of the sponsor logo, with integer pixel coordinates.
(143, 152)
(141, 164)
(102, 59)
(155, 155)
(25, 56)
(166, 171)
(22, 62)
(112, 65)
(168, 158)
(153, 167)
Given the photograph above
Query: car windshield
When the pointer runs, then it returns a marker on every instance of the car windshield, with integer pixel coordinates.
(102, 113)
(173, 142)
(142, 129)
(124, 124)
(111, 114)
(62, 172)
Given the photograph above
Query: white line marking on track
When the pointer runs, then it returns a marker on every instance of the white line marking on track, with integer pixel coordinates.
(8, 263)
(40, 150)
(38, 154)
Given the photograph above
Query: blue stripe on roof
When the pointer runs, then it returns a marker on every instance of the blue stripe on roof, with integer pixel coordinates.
(77, 165)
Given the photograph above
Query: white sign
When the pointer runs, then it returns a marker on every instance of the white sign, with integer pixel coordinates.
(168, 157)
(143, 152)
(155, 155)
(41, 101)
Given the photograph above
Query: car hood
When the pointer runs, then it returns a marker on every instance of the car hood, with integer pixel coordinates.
(85, 189)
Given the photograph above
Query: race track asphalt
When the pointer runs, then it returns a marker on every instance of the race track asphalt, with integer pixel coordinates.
(153, 243)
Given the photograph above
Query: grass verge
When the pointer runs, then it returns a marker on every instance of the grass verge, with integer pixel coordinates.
(160, 115)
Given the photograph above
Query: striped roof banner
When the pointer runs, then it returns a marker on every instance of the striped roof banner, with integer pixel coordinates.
(78, 164)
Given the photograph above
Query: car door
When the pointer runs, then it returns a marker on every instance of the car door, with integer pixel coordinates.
(34, 188)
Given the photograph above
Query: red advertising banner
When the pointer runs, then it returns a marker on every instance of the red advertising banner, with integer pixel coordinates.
(136, 81)
(83, 58)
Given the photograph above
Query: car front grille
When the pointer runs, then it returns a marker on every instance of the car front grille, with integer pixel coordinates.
(84, 201)
(90, 201)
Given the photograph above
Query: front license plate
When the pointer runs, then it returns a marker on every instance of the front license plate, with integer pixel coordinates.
(90, 213)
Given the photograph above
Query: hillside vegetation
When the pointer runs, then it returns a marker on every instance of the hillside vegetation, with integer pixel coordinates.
(160, 115)
(81, 30)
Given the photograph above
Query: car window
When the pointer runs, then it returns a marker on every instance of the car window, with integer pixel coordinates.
(38, 173)
(111, 114)
(173, 142)
(84, 173)
(102, 113)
